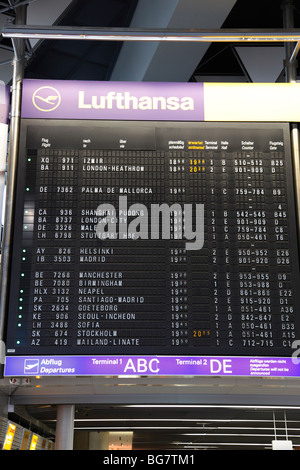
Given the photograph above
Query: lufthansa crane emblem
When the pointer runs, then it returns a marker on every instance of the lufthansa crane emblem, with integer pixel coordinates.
(46, 98)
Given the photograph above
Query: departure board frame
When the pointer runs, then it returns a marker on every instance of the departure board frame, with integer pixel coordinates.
(207, 148)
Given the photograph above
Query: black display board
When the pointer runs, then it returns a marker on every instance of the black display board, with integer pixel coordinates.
(72, 293)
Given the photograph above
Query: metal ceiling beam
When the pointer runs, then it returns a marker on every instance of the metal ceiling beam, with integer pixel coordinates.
(137, 34)
(288, 35)
(294, 54)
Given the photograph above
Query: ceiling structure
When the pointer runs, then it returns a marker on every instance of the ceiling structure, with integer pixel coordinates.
(212, 413)
(164, 413)
(105, 60)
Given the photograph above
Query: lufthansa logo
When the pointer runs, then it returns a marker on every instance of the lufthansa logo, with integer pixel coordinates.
(46, 98)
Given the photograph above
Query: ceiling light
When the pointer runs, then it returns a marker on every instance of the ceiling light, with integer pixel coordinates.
(242, 407)
(126, 428)
(217, 444)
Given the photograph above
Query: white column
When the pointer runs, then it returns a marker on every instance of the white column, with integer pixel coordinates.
(65, 427)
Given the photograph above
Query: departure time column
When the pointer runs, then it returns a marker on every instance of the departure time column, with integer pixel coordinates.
(178, 256)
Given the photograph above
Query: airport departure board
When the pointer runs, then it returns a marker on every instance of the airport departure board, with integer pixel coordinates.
(95, 270)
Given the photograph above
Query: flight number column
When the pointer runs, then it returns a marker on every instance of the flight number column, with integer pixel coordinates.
(54, 247)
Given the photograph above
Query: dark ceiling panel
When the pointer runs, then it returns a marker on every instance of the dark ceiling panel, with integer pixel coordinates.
(255, 14)
(82, 60)
(220, 58)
